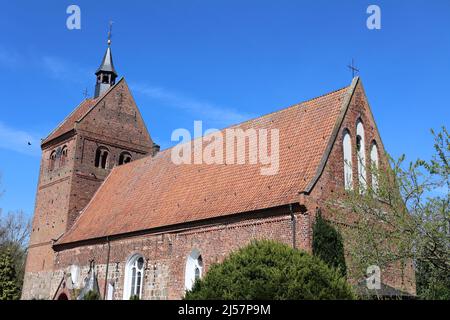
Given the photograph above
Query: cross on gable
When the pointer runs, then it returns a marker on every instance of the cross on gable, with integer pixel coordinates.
(353, 68)
(85, 93)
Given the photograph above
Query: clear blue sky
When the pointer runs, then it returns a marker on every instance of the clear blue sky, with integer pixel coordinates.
(218, 61)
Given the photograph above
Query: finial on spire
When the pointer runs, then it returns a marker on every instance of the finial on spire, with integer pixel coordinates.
(110, 32)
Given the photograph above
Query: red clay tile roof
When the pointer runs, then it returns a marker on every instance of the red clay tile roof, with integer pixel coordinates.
(154, 192)
(69, 122)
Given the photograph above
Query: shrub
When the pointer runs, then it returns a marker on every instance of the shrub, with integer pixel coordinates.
(328, 245)
(91, 295)
(271, 271)
(432, 283)
(8, 278)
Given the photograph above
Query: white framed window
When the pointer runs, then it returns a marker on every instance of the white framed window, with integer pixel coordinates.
(194, 268)
(110, 292)
(75, 275)
(348, 173)
(361, 154)
(374, 163)
(134, 277)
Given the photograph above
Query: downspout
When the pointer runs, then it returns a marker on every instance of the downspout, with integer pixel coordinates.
(293, 226)
(107, 268)
(59, 286)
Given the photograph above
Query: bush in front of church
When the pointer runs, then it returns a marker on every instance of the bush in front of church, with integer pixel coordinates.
(267, 270)
(328, 244)
(92, 295)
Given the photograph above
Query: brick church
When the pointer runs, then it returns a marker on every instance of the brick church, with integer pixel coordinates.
(115, 215)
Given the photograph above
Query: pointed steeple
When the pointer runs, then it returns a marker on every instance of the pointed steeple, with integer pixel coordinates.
(107, 62)
(106, 73)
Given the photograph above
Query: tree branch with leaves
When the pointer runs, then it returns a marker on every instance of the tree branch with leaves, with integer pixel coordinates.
(15, 228)
(402, 218)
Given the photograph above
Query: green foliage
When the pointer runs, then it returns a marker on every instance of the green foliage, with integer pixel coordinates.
(432, 283)
(74, 293)
(8, 279)
(91, 295)
(328, 245)
(269, 270)
(15, 229)
(134, 297)
(405, 219)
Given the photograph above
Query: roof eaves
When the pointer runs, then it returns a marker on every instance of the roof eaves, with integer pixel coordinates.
(173, 227)
(43, 141)
(58, 139)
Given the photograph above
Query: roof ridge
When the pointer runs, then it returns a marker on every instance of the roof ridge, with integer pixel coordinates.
(326, 94)
(286, 108)
(263, 116)
(164, 151)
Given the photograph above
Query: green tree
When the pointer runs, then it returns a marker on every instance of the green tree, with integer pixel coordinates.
(432, 283)
(401, 219)
(328, 244)
(92, 295)
(8, 279)
(271, 271)
(433, 262)
(15, 230)
(14, 234)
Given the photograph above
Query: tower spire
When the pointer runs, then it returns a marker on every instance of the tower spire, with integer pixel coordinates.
(106, 74)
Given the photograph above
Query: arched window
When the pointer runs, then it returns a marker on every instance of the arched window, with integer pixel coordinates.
(105, 78)
(63, 158)
(124, 157)
(361, 154)
(374, 164)
(348, 173)
(101, 158)
(63, 296)
(110, 292)
(134, 277)
(52, 160)
(194, 269)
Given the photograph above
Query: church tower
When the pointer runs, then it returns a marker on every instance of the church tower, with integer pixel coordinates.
(102, 132)
(106, 74)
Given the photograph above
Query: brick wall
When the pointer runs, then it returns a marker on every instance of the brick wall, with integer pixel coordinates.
(331, 182)
(166, 254)
(115, 123)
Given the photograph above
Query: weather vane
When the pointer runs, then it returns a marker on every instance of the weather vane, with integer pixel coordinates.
(110, 32)
(353, 68)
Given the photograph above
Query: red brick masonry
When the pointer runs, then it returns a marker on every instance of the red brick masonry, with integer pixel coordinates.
(164, 211)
